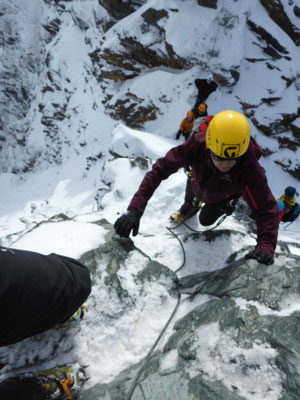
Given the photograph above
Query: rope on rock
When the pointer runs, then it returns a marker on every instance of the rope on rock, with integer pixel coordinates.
(138, 375)
(171, 229)
(147, 358)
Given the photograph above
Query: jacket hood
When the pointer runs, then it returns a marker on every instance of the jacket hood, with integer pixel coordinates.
(253, 153)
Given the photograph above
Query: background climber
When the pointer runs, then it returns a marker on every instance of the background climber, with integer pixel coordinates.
(205, 88)
(288, 208)
(186, 125)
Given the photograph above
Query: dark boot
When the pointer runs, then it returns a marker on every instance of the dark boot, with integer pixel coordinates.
(187, 208)
(211, 212)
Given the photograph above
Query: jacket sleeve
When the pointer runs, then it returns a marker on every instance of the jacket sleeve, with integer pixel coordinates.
(176, 158)
(264, 207)
(199, 84)
(182, 125)
(37, 292)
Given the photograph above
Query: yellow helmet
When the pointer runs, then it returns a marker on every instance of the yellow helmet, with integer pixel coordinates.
(228, 134)
(190, 114)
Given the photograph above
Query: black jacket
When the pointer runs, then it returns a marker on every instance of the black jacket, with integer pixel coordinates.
(204, 89)
(38, 291)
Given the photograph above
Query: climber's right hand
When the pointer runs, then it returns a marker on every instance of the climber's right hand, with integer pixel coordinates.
(127, 222)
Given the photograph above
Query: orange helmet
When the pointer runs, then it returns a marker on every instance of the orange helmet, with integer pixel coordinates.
(190, 114)
(202, 107)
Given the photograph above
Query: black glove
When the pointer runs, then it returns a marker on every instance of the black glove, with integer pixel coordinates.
(261, 256)
(178, 134)
(127, 222)
(186, 135)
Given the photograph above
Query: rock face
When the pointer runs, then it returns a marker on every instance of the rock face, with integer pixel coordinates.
(273, 48)
(124, 45)
(16, 92)
(222, 348)
(237, 337)
(129, 58)
(37, 87)
(110, 305)
(132, 58)
(208, 3)
(113, 254)
(276, 11)
(248, 280)
(119, 9)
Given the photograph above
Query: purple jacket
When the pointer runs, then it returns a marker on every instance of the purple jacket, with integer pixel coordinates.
(246, 178)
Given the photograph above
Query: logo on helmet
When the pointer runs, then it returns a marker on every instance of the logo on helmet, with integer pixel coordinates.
(230, 150)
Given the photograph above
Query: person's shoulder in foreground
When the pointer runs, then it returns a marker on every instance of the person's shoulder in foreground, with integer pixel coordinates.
(38, 292)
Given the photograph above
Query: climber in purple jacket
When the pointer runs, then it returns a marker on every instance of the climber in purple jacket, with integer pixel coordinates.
(224, 166)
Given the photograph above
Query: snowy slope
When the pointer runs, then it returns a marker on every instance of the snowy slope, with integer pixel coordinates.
(72, 156)
(78, 235)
